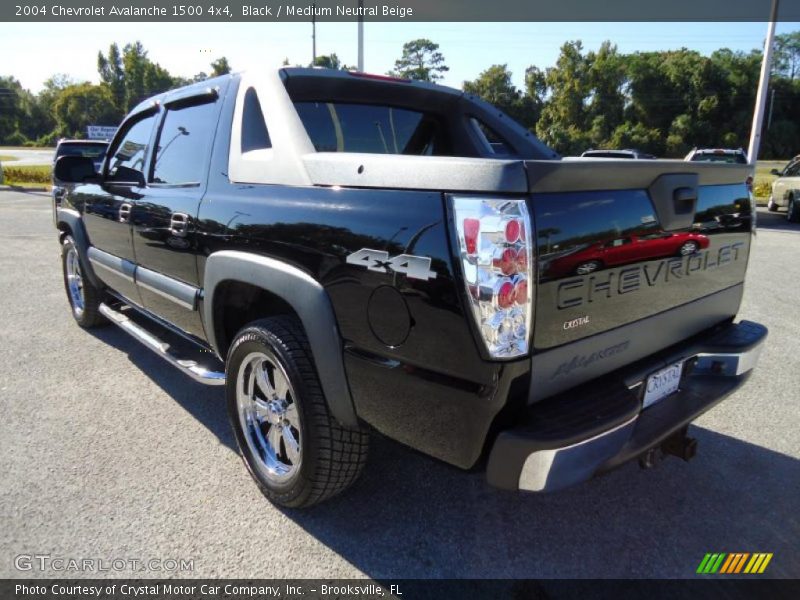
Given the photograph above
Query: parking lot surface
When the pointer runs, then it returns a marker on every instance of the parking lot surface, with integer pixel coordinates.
(106, 452)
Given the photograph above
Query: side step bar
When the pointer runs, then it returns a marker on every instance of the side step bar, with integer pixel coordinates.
(189, 367)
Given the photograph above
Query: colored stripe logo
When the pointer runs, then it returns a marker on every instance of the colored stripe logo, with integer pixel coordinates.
(734, 563)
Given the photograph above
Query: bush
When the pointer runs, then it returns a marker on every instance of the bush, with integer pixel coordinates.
(16, 138)
(32, 174)
(762, 189)
(48, 140)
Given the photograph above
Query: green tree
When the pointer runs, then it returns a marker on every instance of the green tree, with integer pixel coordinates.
(327, 61)
(16, 104)
(83, 104)
(221, 66)
(42, 123)
(739, 72)
(606, 79)
(421, 60)
(157, 79)
(787, 54)
(494, 86)
(132, 77)
(564, 123)
(112, 74)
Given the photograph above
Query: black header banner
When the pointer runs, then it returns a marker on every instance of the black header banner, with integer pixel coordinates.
(394, 10)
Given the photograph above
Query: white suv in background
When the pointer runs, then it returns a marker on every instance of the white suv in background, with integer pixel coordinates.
(786, 191)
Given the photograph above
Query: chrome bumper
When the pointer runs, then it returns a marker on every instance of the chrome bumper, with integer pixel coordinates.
(713, 370)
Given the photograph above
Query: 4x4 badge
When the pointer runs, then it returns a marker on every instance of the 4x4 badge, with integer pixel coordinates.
(416, 267)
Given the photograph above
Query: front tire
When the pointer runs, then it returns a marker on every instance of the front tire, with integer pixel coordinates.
(84, 298)
(296, 451)
(793, 211)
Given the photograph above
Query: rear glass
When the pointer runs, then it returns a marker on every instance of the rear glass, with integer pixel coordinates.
(374, 129)
(737, 158)
(92, 151)
(609, 154)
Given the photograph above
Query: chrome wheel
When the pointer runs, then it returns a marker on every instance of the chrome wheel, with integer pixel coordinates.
(587, 268)
(688, 248)
(75, 282)
(268, 416)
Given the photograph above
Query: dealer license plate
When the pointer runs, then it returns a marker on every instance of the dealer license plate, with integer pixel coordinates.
(662, 383)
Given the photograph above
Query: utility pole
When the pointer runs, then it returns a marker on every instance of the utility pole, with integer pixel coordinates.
(361, 35)
(313, 33)
(763, 84)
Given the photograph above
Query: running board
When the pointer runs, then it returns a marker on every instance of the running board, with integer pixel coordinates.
(189, 367)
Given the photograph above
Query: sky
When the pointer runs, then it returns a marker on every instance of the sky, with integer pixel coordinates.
(32, 52)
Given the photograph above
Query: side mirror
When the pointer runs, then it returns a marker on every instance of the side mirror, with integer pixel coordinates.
(74, 169)
(127, 176)
(776, 172)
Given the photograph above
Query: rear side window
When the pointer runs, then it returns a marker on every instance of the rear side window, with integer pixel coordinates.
(254, 129)
(184, 142)
(375, 129)
(132, 150)
(493, 142)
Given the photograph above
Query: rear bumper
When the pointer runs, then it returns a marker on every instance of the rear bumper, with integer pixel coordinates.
(600, 425)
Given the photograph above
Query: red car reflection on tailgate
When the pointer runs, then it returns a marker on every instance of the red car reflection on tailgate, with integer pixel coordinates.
(625, 250)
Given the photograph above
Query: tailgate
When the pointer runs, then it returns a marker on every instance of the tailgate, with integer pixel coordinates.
(620, 241)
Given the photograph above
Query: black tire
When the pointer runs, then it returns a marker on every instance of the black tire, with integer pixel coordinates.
(793, 211)
(331, 457)
(83, 297)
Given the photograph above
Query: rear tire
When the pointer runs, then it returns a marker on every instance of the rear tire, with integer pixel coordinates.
(84, 298)
(297, 452)
(793, 210)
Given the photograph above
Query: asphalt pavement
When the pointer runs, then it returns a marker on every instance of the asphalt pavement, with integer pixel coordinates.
(108, 453)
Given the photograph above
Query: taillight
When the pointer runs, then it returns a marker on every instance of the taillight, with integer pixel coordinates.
(749, 183)
(496, 255)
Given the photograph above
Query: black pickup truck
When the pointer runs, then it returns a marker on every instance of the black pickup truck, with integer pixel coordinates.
(346, 252)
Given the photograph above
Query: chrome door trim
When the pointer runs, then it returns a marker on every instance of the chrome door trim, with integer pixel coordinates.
(112, 264)
(182, 294)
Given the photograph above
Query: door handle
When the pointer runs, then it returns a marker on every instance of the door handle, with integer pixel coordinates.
(179, 224)
(685, 200)
(125, 212)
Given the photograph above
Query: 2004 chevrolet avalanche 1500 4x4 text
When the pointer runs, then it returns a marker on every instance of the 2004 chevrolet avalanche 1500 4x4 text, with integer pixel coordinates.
(346, 252)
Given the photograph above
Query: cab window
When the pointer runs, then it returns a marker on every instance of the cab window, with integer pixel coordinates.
(131, 151)
(183, 144)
